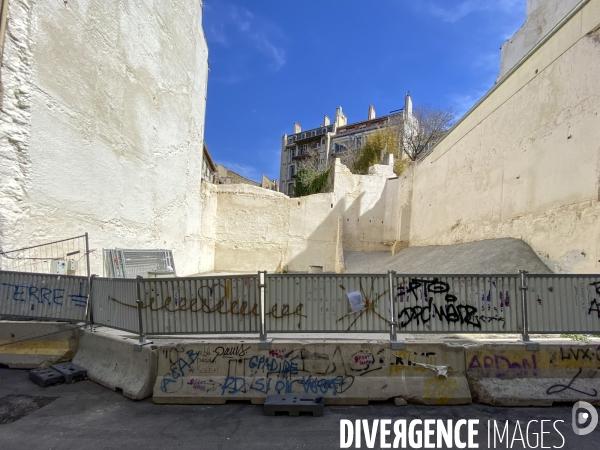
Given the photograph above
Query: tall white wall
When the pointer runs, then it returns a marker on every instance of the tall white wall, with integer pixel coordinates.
(103, 106)
(542, 16)
(371, 206)
(526, 162)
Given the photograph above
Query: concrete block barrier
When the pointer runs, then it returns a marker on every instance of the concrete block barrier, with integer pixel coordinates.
(350, 373)
(28, 345)
(431, 373)
(510, 375)
(116, 363)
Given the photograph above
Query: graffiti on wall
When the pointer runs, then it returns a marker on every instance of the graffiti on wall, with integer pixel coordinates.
(281, 371)
(576, 365)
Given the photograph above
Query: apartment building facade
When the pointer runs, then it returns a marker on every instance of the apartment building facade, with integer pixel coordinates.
(320, 145)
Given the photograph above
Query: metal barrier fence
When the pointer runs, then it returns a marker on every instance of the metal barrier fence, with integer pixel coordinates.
(114, 303)
(319, 303)
(199, 305)
(262, 303)
(69, 256)
(43, 296)
(563, 304)
(458, 303)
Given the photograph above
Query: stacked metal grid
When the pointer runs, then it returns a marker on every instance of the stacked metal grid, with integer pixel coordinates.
(127, 263)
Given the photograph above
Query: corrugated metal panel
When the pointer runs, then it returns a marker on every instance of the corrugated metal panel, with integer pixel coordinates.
(43, 296)
(114, 303)
(319, 303)
(458, 303)
(563, 303)
(200, 305)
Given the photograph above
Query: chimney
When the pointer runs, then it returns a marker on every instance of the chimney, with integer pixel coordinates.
(371, 112)
(408, 104)
(297, 128)
(340, 118)
(326, 121)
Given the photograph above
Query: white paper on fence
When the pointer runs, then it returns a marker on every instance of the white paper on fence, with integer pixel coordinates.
(356, 301)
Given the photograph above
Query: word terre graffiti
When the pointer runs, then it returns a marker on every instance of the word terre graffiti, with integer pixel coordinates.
(43, 295)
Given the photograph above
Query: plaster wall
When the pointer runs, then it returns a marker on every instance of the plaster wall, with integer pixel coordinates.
(372, 206)
(259, 229)
(542, 17)
(103, 107)
(525, 162)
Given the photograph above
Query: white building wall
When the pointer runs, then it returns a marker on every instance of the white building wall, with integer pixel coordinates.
(526, 162)
(103, 107)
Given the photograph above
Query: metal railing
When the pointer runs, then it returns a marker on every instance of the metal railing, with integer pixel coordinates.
(313, 303)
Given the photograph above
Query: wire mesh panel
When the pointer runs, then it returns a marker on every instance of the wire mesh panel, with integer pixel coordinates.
(458, 303)
(563, 303)
(64, 257)
(114, 303)
(200, 305)
(321, 303)
(126, 263)
(43, 296)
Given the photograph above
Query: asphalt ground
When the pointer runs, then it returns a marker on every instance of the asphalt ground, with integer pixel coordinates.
(88, 416)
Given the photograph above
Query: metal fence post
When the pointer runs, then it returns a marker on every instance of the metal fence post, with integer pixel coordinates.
(396, 345)
(524, 311)
(89, 313)
(264, 343)
(140, 304)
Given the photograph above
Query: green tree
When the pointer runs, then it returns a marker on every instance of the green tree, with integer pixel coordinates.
(383, 141)
(309, 181)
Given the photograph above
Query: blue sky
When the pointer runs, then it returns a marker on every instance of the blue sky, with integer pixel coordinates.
(276, 62)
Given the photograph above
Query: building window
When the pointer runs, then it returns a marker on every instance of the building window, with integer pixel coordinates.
(291, 189)
(338, 148)
(292, 171)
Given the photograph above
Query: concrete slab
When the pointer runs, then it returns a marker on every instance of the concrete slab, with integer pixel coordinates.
(28, 345)
(503, 256)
